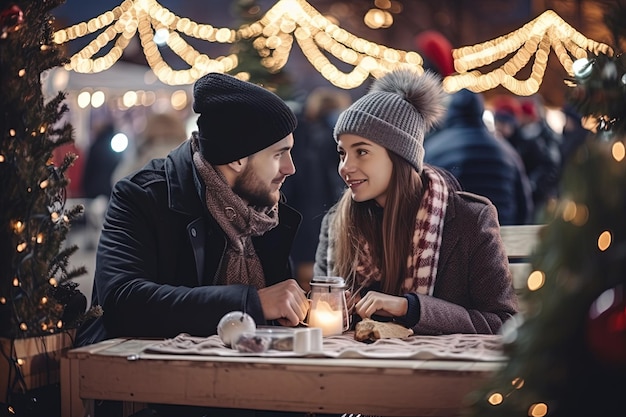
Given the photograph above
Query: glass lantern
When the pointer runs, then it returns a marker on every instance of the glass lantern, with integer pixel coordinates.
(329, 310)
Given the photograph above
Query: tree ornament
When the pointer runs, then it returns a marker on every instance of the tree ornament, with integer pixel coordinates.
(10, 20)
(582, 68)
(233, 324)
(606, 327)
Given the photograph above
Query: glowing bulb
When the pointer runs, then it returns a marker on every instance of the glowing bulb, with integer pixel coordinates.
(16, 282)
(179, 99)
(538, 410)
(604, 241)
(495, 398)
(582, 215)
(161, 36)
(619, 151)
(97, 99)
(569, 212)
(119, 142)
(21, 361)
(18, 227)
(129, 99)
(535, 280)
(23, 327)
(52, 281)
(83, 99)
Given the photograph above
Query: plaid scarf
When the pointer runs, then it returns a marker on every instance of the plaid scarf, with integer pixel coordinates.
(239, 222)
(423, 258)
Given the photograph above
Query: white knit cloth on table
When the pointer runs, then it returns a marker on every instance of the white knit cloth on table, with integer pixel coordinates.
(474, 347)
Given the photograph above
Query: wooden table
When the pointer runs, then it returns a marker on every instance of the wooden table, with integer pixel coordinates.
(118, 370)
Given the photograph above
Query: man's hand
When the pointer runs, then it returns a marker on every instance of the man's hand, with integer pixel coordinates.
(381, 304)
(285, 302)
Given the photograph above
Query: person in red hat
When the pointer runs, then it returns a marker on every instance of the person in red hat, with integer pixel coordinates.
(436, 51)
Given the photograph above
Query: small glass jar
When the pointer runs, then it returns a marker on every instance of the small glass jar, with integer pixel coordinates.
(329, 310)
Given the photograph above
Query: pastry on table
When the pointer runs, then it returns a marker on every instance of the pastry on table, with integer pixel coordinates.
(368, 330)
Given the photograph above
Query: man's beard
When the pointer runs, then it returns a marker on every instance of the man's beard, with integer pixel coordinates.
(251, 189)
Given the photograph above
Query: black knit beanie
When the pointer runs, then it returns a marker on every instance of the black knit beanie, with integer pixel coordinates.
(238, 118)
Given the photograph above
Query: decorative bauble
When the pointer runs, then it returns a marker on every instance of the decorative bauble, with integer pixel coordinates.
(606, 327)
(582, 68)
(233, 324)
(10, 20)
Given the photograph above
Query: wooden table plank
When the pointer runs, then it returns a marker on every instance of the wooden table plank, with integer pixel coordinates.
(325, 385)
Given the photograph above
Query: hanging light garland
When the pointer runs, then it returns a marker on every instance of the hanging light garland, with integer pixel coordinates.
(533, 39)
(288, 20)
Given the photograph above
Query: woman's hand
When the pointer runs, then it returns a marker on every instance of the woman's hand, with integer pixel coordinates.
(381, 304)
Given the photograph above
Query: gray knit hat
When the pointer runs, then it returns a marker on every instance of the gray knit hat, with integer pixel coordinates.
(398, 110)
(238, 118)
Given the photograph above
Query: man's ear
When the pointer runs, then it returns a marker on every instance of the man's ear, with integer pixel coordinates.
(238, 165)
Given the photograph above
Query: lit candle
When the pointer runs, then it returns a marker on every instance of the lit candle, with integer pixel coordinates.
(327, 319)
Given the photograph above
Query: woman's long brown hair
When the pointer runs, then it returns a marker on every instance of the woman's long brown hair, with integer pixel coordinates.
(389, 238)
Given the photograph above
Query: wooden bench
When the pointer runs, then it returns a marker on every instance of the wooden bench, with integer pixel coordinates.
(519, 243)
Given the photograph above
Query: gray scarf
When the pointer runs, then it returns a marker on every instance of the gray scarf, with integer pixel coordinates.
(239, 222)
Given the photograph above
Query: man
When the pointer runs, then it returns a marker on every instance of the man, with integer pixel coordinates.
(200, 233)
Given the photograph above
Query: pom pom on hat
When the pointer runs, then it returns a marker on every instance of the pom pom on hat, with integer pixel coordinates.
(398, 110)
(238, 118)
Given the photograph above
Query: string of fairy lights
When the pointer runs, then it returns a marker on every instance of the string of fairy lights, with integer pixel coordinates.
(536, 38)
(317, 36)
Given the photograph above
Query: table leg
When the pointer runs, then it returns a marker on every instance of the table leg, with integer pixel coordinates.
(71, 403)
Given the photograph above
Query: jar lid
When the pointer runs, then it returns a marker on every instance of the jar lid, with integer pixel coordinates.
(338, 282)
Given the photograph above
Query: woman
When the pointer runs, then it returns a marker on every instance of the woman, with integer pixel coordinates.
(411, 247)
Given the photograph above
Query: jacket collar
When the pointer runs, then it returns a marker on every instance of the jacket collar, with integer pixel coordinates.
(181, 189)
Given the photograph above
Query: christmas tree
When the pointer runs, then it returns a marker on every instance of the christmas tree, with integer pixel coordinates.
(567, 352)
(37, 294)
(257, 63)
